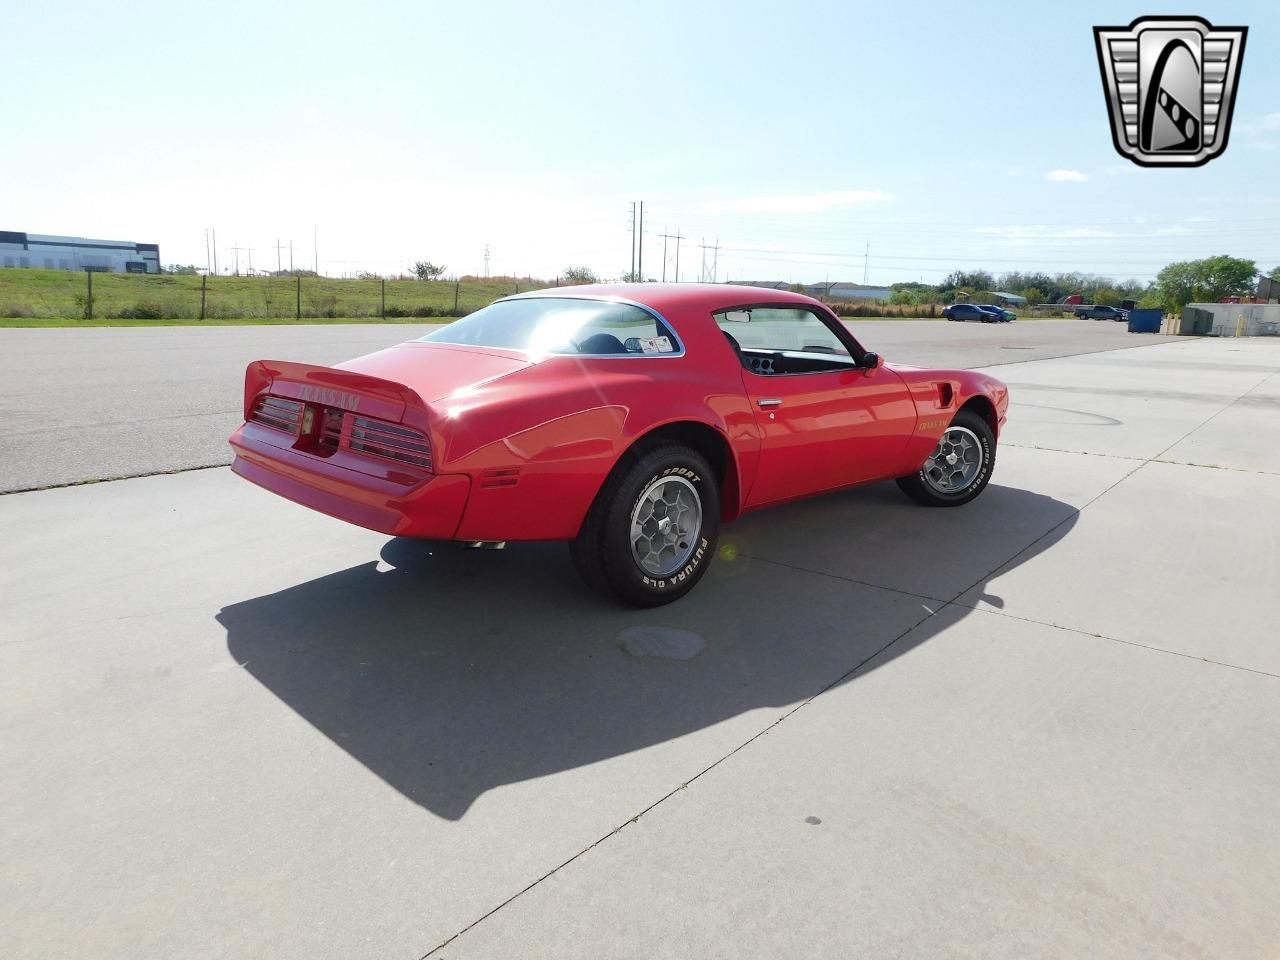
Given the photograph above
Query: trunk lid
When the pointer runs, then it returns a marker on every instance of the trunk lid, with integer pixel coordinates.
(436, 370)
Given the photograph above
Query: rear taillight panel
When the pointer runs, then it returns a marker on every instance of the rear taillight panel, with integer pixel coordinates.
(278, 412)
(390, 441)
(323, 431)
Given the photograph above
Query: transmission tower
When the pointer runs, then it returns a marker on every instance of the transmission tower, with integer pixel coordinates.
(677, 237)
(709, 275)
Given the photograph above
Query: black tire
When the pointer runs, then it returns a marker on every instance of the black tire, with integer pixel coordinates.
(918, 487)
(602, 552)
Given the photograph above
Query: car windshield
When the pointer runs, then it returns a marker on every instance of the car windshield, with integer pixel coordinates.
(546, 326)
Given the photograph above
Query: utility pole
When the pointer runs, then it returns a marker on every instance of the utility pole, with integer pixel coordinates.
(315, 245)
(215, 248)
(237, 253)
(866, 260)
(208, 261)
(486, 261)
(250, 249)
(632, 274)
(291, 256)
(277, 255)
(640, 255)
(664, 254)
(678, 239)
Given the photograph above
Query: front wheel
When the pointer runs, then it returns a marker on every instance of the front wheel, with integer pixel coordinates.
(959, 467)
(651, 533)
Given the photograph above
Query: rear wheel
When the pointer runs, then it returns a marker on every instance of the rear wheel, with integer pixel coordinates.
(959, 467)
(651, 533)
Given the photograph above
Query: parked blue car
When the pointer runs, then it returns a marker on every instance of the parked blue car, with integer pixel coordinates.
(972, 311)
(1003, 315)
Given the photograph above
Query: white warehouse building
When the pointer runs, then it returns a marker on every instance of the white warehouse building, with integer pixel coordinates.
(47, 252)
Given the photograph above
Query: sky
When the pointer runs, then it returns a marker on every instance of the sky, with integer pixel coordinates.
(810, 141)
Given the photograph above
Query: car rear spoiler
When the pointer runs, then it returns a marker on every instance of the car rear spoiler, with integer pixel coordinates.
(330, 387)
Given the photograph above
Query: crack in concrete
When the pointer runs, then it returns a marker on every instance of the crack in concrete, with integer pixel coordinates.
(1131, 643)
(1157, 459)
(127, 476)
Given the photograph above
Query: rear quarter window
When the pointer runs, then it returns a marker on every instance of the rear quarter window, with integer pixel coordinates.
(562, 326)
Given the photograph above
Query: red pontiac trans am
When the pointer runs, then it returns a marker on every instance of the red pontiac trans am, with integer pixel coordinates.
(629, 420)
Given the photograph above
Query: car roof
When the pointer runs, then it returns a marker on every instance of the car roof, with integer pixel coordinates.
(677, 296)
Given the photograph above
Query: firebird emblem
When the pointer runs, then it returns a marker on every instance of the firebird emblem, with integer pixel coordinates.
(330, 398)
(1170, 84)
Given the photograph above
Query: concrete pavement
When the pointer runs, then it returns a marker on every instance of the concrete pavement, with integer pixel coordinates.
(1044, 724)
(103, 403)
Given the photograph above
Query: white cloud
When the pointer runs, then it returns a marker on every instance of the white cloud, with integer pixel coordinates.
(796, 203)
(1066, 176)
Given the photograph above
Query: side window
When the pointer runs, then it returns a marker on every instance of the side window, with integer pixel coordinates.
(781, 330)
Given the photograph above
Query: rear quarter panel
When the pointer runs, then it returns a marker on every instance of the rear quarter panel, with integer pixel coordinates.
(539, 444)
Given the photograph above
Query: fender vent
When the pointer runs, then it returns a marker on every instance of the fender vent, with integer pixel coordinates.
(501, 477)
(945, 394)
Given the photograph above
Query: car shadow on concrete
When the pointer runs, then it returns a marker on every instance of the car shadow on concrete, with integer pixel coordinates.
(449, 672)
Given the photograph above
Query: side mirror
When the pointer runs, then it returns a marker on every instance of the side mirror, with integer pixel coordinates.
(869, 361)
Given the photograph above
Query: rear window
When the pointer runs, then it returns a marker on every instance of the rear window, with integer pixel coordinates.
(545, 326)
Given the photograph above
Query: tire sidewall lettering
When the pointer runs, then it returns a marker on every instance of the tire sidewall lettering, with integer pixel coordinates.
(698, 555)
(980, 478)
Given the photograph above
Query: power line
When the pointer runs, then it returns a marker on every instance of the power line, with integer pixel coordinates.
(951, 258)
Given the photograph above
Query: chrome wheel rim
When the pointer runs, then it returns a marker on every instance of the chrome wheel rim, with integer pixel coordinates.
(955, 461)
(665, 524)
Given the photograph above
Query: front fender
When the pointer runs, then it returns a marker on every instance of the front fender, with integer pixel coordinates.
(939, 395)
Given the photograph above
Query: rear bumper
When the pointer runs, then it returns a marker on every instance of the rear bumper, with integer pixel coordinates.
(430, 507)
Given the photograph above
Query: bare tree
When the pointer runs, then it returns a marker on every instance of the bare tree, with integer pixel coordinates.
(426, 270)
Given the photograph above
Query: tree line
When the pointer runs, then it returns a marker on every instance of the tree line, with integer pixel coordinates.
(1191, 281)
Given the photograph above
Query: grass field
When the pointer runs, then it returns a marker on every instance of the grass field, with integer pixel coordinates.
(46, 298)
(39, 297)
